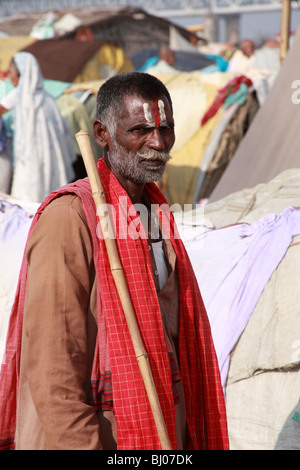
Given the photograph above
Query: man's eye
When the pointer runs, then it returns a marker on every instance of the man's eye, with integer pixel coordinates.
(166, 128)
(148, 130)
(141, 130)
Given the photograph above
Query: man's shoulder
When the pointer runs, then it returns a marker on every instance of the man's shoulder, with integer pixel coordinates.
(69, 199)
(66, 203)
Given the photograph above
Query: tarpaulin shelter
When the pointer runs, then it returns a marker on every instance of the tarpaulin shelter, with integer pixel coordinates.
(272, 143)
(252, 299)
(100, 43)
(68, 60)
(131, 28)
(9, 46)
(263, 385)
(72, 60)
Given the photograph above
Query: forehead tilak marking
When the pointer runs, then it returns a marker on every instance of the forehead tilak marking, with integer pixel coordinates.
(159, 111)
(147, 112)
(162, 113)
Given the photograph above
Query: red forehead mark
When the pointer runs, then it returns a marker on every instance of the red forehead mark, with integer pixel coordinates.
(157, 115)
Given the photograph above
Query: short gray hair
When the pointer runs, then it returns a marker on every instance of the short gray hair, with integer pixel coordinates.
(110, 104)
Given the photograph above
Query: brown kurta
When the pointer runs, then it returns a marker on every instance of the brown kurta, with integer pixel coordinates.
(59, 336)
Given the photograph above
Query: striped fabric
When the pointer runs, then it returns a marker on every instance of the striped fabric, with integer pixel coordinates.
(101, 392)
(206, 415)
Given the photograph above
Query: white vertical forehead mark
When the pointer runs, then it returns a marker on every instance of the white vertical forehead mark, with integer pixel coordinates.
(147, 112)
(161, 107)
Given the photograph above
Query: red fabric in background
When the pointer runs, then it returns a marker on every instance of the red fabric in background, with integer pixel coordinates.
(231, 87)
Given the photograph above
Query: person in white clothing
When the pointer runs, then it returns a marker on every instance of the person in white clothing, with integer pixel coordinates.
(43, 148)
(165, 62)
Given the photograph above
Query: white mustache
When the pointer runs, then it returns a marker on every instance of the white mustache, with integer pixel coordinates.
(154, 155)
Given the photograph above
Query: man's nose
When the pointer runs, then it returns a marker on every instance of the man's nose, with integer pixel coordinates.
(156, 140)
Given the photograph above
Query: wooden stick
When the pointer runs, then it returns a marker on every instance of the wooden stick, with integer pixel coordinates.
(84, 143)
(285, 29)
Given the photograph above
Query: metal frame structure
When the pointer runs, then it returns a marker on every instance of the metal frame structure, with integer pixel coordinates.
(163, 8)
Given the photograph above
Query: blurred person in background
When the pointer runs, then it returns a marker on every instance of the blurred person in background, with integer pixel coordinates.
(43, 149)
(5, 159)
(242, 61)
(165, 63)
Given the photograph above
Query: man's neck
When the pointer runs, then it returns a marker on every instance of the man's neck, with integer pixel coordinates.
(135, 193)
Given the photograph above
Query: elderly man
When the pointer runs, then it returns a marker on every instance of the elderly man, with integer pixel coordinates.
(79, 385)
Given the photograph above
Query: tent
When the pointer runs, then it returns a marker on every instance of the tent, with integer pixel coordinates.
(68, 60)
(9, 46)
(131, 28)
(272, 143)
(72, 60)
(252, 299)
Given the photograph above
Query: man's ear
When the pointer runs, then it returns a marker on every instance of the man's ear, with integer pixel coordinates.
(101, 134)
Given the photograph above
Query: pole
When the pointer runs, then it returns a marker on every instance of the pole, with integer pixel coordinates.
(116, 268)
(285, 29)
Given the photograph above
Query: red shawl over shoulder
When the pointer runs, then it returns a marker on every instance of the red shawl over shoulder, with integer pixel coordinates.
(205, 408)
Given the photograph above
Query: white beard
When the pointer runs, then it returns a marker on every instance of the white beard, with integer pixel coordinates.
(136, 167)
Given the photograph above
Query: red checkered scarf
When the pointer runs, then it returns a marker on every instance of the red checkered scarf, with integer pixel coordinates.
(205, 408)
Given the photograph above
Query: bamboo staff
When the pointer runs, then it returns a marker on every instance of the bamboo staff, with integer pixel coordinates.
(116, 268)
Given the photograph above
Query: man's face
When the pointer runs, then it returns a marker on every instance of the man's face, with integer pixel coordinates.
(144, 136)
